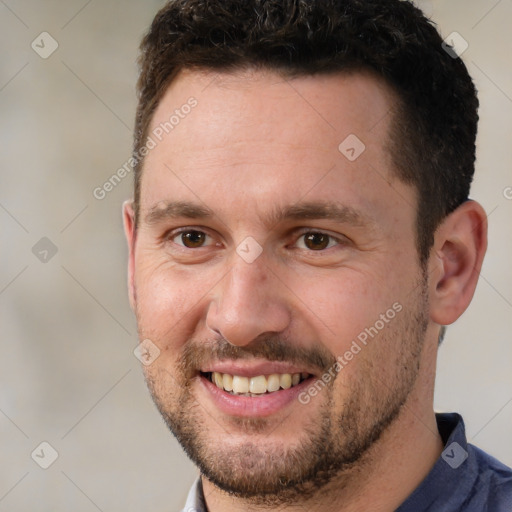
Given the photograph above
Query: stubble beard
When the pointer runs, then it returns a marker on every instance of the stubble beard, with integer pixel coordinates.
(334, 440)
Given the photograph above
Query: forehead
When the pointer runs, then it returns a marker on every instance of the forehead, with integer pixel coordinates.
(258, 103)
(262, 137)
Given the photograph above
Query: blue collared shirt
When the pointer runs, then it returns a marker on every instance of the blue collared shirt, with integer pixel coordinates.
(464, 478)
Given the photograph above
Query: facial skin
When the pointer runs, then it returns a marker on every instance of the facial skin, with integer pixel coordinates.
(255, 145)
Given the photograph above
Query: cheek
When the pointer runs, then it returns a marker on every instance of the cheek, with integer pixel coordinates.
(341, 309)
(167, 301)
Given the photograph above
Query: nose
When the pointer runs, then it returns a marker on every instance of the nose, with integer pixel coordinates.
(250, 300)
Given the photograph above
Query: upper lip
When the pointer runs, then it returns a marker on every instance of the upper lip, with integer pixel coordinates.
(253, 368)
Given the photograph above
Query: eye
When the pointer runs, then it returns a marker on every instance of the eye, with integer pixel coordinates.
(191, 238)
(316, 241)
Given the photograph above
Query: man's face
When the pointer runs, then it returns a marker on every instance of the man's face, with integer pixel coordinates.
(308, 255)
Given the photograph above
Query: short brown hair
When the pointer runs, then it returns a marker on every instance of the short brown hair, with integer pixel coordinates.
(433, 130)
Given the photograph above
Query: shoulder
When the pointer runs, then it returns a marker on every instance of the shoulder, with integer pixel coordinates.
(464, 478)
(493, 483)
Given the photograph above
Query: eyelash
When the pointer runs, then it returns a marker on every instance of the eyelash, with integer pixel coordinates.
(339, 240)
(173, 234)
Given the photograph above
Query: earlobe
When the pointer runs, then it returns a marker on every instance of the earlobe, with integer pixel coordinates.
(459, 249)
(130, 233)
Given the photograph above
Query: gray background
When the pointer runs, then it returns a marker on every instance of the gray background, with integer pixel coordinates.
(68, 375)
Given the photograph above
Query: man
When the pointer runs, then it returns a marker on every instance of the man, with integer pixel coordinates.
(299, 237)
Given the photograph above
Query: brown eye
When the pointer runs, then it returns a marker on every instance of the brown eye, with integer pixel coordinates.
(316, 241)
(191, 239)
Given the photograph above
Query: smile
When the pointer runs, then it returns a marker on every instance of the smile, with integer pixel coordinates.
(255, 386)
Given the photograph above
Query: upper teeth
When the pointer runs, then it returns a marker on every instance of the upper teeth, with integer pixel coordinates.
(256, 385)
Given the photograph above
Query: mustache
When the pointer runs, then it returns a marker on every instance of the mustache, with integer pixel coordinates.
(272, 347)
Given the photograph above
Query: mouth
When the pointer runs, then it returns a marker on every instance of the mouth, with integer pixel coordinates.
(253, 388)
(257, 386)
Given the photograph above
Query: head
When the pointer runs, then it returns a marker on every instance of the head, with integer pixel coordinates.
(311, 202)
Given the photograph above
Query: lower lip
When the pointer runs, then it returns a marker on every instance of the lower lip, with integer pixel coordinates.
(245, 406)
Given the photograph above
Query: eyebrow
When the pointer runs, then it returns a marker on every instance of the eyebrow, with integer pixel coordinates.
(175, 210)
(310, 210)
(321, 210)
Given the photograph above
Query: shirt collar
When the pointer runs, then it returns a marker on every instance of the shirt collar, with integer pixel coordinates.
(456, 468)
(195, 499)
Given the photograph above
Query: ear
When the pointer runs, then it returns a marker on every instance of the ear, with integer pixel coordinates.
(460, 243)
(130, 232)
